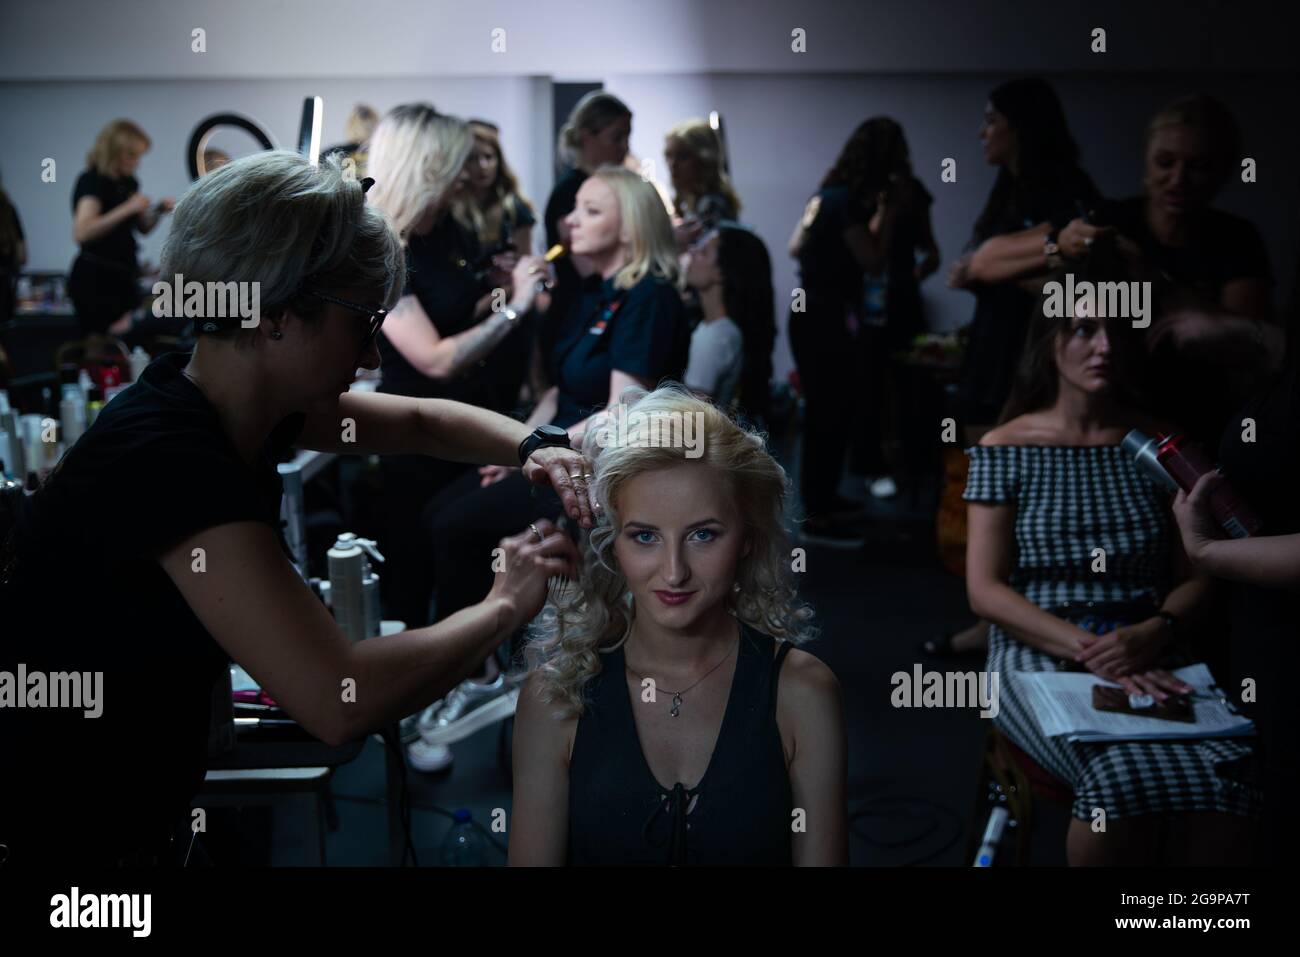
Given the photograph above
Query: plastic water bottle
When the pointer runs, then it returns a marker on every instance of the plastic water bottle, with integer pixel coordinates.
(463, 846)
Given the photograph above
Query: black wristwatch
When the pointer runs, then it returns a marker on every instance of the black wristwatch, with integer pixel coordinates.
(542, 436)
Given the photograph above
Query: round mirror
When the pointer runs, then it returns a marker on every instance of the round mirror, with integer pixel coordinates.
(224, 137)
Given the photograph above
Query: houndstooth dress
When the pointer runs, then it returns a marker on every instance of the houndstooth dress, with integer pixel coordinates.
(1070, 500)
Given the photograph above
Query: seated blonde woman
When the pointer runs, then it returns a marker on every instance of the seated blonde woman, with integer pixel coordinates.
(668, 716)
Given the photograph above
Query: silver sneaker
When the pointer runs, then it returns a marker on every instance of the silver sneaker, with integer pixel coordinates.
(411, 726)
(469, 707)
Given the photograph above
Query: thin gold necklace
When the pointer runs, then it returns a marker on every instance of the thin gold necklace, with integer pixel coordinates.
(677, 695)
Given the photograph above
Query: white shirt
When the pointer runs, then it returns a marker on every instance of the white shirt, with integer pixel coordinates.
(717, 356)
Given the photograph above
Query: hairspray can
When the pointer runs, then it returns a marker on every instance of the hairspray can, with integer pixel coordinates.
(1143, 448)
(1186, 462)
(374, 613)
(1183, 462)
(347, 570)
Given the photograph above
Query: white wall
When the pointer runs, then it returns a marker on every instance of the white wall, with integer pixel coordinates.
(129, 39)
(60, 119)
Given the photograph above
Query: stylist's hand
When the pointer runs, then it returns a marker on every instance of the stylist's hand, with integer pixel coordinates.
(959, 273)
(1124, 651)
(1077, 237)
(138, 203)
(528, 272)
(568, 472)
(524, 565)
(1196, 523)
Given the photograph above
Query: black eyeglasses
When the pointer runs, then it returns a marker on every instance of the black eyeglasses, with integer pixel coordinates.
(376, 316)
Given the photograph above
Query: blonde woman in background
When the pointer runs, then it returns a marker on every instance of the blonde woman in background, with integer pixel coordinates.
(108, 209)
(595, 134)
(703, 192)
(627, 327)
(494, 206)
(668, 718)
(442, 340)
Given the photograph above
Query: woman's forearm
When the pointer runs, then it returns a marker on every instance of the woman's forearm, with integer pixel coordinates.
(1014, 256)
(397, 675)
(1025, 621)
(1186, 600)
(102, 225)
(459, 432)
(455, 355)
(1268, 561)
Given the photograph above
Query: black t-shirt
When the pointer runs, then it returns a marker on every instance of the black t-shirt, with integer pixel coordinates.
(1003, 310)
(641, 331)
(9, 255)
(1224, 248)
(1266, 621)
(87, 594)
(829, 274)
(563, 198)
(441, 275)
(119, 245)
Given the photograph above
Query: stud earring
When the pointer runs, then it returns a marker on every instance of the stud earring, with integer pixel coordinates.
(277, 334)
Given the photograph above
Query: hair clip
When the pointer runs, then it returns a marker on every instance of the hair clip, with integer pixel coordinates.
(366, 183)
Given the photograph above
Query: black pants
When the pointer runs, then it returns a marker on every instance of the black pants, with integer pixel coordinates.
(871, 353)
(411, 483)
(467, 522)
(824, 353)
(101, 292)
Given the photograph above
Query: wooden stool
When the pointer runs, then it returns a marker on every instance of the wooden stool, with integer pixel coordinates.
(1011, 778)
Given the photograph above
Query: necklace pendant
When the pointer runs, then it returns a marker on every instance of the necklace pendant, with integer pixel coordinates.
(677, 705)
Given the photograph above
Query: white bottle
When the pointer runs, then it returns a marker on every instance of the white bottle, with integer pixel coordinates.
(139, 362)
(347, 570)
(72, 414)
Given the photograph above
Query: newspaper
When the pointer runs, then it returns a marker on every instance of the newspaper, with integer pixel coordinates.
(1062, 703)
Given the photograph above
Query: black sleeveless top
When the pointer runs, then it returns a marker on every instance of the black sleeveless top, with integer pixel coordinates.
(620, 815)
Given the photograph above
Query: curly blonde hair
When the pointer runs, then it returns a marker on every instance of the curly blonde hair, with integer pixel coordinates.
(595, 617)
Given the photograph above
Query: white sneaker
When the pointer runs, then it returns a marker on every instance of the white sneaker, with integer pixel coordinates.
(429, 758)
(883, 487)
(469, 707)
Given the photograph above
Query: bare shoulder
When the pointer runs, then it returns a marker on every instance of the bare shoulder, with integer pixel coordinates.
(1028, 429)
(806, 677)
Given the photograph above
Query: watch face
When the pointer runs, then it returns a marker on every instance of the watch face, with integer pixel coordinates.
(553, 431)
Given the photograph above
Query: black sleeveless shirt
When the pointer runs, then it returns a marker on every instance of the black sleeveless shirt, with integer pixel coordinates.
(620, 815)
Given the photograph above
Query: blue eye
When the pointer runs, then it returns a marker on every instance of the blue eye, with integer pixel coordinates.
(707, 531)
(636, 537)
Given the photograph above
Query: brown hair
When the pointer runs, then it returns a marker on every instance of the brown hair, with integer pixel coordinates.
(1037, 378)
